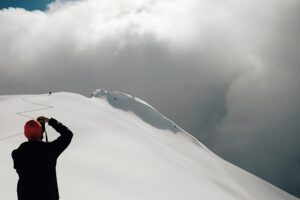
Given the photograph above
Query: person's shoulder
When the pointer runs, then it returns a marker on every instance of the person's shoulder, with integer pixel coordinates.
(14, 152)
(22, 145)
(17, 150)
(30, 145)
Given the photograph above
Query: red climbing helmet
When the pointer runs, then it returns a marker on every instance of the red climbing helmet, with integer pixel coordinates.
(33, 130)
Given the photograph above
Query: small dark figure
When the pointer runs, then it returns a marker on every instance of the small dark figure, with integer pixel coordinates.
(50, 93)
(35, 160)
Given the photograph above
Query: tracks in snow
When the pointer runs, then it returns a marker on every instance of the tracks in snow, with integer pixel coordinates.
(24, 113)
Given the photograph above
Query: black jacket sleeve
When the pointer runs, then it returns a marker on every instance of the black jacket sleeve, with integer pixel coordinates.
(13, 155)
(63, 141)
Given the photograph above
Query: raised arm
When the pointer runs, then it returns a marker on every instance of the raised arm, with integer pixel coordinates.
(63, 141)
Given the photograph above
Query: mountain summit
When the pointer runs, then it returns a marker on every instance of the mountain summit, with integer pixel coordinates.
(123, 148)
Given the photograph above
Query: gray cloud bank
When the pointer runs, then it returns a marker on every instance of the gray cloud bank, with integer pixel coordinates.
(227, 72)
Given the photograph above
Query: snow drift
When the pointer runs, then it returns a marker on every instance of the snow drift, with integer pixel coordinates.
(123, 148)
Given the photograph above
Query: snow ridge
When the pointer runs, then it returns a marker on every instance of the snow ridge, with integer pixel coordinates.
(116, 155)
(144, 111)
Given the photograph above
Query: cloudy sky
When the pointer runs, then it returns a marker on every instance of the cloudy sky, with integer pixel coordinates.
(225, 71)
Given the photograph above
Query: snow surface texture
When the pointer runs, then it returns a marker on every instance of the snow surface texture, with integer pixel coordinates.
(125, 149)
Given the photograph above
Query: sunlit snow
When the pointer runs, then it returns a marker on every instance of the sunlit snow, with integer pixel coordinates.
(123, 148)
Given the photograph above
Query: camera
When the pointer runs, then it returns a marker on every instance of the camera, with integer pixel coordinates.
(42, 122)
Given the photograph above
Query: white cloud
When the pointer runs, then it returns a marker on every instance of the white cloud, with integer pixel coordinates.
(226, 64)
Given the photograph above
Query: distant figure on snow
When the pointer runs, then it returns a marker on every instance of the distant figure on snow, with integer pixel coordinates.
(35, 160)
(50, 93)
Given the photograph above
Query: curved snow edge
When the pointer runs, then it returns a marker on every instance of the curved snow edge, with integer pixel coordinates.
(144, 111)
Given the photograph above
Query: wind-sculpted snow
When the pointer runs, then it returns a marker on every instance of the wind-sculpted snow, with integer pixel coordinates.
(125, 149)
(143, 110)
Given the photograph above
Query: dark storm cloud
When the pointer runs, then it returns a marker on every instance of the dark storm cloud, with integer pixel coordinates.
(224, 71)
(263, 119)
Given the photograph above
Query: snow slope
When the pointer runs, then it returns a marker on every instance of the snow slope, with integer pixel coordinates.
(124, 149)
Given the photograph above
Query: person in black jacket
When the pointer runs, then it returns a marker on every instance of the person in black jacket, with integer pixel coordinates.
(35, 160)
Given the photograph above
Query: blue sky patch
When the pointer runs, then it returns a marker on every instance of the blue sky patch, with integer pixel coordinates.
(26, 4)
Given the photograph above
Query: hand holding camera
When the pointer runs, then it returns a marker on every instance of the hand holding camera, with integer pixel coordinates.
(42, 119)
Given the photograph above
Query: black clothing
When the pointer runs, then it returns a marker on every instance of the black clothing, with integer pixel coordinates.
(35, 163)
